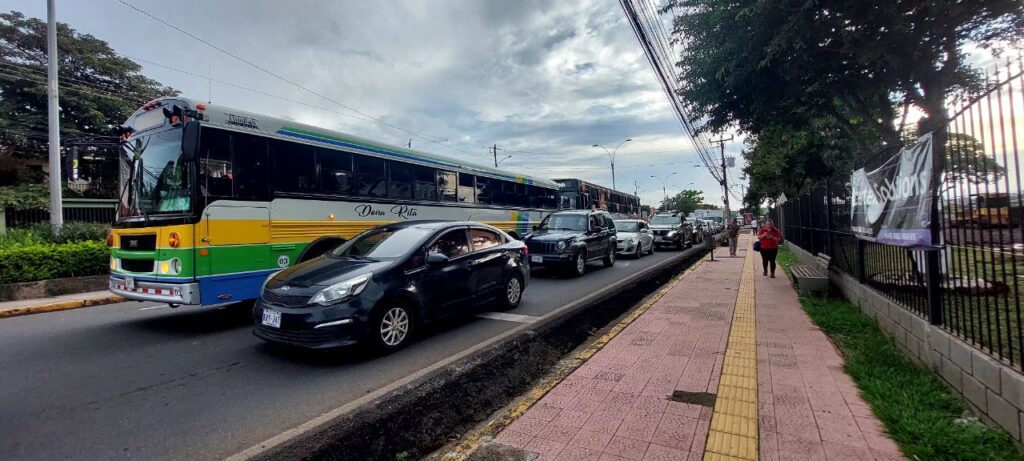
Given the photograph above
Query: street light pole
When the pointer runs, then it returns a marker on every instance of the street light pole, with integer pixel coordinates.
(53, 115)
(611, 157)
(664, 182)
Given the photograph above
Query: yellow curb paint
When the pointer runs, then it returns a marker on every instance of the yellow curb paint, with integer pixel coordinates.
(471, 442)
(733, 432)
(61, 306)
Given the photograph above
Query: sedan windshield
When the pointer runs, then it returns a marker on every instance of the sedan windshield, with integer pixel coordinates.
(382, 242)
(573, 222)
(158, 177)
(627, 226)
(665, 219)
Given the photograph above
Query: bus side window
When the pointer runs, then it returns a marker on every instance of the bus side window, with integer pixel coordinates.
(370, 179)
(485, 191)
(215, 175)
(335, 171)
(424, 183)
(400, 179)
(294, 167)
(249, 161)
(467, 188)
(447, 184)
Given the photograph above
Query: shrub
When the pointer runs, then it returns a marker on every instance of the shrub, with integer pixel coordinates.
(28, 262)
(43, 233)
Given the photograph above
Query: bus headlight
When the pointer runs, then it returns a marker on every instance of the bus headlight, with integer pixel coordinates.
(113, 264)
(176, 265)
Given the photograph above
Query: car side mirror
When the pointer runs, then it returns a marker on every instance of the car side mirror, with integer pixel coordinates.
(437, 258)
(536, 227)
(645, 231)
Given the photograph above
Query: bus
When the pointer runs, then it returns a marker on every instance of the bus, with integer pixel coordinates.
(213, 200)
(578, 194)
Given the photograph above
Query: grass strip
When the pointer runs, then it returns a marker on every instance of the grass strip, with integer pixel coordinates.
(918, 411)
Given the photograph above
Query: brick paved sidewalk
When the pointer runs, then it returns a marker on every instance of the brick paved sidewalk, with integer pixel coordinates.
(652, 392)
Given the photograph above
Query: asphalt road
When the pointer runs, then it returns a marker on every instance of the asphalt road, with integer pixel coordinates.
(143, 381)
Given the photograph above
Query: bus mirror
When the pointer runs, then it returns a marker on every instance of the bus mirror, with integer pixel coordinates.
(190, 140)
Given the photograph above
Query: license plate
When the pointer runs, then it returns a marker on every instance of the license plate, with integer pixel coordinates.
(657, 239)
(129, 283)
(271, 318)
(536, 259)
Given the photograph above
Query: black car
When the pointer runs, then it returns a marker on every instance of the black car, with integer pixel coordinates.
(570, 239)
(672, 229)
(383, 284)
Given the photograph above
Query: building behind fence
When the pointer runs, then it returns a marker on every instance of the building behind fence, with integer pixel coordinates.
(89, 210)
(982, 233)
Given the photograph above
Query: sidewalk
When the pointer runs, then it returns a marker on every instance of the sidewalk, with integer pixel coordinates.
(57, 303)
(724, 366)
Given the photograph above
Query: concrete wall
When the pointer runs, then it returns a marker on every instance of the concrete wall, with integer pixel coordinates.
(994, 390)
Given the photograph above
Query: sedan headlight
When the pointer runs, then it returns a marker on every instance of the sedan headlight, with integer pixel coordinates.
(561, 245)
(670, 234)
(341, 291)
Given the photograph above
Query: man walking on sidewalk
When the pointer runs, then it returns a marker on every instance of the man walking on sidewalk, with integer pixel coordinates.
(734, 234)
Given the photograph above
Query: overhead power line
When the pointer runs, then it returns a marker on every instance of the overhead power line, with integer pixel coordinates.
(646, 24)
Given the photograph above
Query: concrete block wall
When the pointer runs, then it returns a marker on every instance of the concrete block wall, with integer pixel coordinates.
(992, 389)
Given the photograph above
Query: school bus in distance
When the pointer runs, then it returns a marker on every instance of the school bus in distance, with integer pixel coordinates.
(213, 200)
(989, 209)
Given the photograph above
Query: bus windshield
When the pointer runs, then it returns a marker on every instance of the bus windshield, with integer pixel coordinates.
(158, 179)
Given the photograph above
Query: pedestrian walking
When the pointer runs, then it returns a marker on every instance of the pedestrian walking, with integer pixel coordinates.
(733, 230)
(769, 237)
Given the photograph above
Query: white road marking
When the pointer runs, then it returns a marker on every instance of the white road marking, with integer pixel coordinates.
(518, 318)
(153, 307)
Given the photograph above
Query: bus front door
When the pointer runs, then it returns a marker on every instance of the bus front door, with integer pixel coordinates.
(234, 255)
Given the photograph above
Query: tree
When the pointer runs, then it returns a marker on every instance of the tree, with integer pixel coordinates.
(754, 62)
(99, 88)
(683, 202)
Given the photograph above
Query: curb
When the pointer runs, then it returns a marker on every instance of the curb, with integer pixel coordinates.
(472, 441)
(59, 306)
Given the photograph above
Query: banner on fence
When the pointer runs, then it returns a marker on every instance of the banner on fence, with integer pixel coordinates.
(892, 204)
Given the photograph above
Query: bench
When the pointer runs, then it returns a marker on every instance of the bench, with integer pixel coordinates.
(813, 279)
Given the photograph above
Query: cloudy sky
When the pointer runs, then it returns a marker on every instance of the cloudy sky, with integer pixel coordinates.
(544, 80)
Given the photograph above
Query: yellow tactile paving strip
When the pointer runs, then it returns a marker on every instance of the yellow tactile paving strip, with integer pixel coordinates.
(733, 431)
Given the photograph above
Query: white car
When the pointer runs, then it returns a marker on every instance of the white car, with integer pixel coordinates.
(634, 237)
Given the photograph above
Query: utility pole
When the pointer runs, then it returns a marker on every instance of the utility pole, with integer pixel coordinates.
(410, 143)
(636, 188)
(53, 115)
(495, 150)
(725, 180)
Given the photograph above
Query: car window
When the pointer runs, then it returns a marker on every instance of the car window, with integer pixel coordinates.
(593, 222)
(483, 239)
(453, 244)
(608, 222)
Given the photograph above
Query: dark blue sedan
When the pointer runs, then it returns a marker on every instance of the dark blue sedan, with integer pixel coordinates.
(385, 283)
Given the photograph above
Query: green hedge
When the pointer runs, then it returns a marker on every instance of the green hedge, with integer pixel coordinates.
(41, 261)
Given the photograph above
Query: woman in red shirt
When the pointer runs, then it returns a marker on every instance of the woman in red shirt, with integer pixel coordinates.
(769, 236)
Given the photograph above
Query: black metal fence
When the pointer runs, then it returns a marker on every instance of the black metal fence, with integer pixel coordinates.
(100, 211)
(981, 227)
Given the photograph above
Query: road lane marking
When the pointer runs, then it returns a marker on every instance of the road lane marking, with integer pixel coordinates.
(518, 318)
(152, 307)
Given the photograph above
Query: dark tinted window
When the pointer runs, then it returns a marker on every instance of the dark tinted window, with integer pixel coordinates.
(369, 176)
(335, 172)
(401, 177)
(467, 188)
(425, 186)
(453, 244)
(215, 172)
(447, 184)
(250, 166)
(483, 239)
(515, 194)
(382, 242)
(485, 190)
(294, 167)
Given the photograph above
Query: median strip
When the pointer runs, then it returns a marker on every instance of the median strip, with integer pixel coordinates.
(57, 305)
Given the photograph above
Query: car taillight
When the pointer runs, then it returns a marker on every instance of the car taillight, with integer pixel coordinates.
(526, 251)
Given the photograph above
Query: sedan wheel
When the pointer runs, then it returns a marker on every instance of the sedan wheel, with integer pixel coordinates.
(513, 292)
(393, 328)
(609, 260)
(639, 250)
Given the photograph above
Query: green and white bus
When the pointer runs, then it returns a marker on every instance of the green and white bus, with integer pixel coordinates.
(215, 199)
